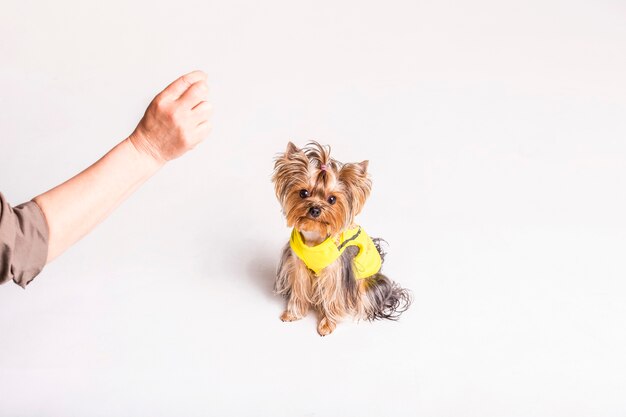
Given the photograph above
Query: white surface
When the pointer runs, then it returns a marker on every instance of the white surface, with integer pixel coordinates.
(496, 135)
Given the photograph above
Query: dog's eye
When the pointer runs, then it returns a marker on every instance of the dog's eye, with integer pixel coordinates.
(304, 193)
(332, 199)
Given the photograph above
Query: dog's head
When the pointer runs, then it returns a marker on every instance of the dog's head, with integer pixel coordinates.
(317, 193)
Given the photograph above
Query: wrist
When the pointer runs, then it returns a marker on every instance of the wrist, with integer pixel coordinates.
(144, 152)
(142, 156)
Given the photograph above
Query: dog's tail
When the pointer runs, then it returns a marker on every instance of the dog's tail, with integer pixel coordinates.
(387, 299)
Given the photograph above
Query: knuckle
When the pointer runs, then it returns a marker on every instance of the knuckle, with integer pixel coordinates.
(200, 88)
(159, 102)
(177, 115)
(165, 110)
(205, 129)
(170, 114)
(204, 110)
(183, 136)
(206, 107)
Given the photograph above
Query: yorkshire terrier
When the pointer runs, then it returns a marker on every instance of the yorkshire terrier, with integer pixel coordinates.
(330, 263)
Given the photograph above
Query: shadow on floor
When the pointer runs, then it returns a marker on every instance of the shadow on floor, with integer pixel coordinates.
(261, 270)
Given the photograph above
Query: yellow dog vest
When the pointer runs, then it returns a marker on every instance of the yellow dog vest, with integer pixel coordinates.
(316, 258)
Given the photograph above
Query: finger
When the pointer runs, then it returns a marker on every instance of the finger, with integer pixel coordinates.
(182, 84)
(194, 95)
(203, 130)
(202, 106)
(202, 112)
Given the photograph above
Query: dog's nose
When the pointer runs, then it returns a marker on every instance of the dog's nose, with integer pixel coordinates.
(315, 211)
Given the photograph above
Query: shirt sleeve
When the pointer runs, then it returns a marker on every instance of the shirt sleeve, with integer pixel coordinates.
(23, 242)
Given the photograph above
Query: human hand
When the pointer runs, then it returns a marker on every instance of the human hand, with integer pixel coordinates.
(176, 120)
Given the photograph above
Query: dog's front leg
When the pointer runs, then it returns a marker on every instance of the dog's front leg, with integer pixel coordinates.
(326, 326)
(296, 281)
(296, 309)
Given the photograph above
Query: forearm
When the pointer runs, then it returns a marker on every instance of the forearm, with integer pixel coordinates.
(176, 120)
(75, 207)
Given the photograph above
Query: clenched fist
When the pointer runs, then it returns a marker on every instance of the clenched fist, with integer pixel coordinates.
(176, 120)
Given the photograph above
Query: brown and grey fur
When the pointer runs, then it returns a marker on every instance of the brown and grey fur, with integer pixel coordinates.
(335, 292)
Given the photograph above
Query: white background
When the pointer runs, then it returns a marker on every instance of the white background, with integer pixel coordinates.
(497, 139)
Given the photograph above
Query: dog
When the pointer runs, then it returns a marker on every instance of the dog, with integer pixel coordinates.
(330, 263)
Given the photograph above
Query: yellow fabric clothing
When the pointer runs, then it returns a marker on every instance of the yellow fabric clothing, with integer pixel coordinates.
(316, 258)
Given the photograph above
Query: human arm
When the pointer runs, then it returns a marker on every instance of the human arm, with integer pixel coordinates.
(175, 122)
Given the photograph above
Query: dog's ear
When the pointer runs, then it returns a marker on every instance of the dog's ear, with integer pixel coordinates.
(291, 149)
(290, 169)
(354, 172)
(357, 184)
(292, 152)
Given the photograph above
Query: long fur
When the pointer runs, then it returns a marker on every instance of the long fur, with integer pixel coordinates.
(336, 292)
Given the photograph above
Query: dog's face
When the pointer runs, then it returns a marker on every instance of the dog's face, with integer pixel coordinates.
(319, 194)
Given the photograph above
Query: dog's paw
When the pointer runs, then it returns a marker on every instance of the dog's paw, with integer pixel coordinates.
(288, 316)
(325, 327)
